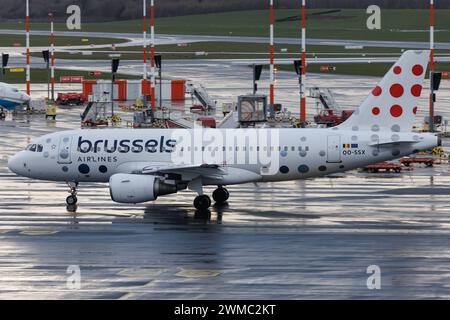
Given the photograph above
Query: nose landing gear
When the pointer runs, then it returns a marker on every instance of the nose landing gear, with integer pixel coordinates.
(72, 199)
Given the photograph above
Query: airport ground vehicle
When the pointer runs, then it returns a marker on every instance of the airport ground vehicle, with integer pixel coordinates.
(407, 161)
(71, 98)
(383, 166)
(330, 114)
(50, 112)
(331, 118)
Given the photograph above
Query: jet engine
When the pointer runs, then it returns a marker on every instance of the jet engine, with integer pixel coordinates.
(136, 188)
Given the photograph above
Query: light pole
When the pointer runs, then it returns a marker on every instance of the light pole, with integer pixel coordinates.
(5, 58)
(257, 70)
(158, 63)
(52, 55)
(46, 55)
(272, 54)
(152, 51)
(435, 82)
(303, 68)
(28, 59)
(114, 67)
(144, 39)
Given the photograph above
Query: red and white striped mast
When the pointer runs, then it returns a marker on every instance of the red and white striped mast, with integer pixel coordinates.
(27, 26)
(431, 107)
(303, 71)
(152, 32)
(144, 35)
(272, 55)
(431, 35)
(52, 55)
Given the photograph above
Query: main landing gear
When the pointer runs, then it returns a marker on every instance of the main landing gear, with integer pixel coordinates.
(72, 199)
(202, 202)
(220, 196)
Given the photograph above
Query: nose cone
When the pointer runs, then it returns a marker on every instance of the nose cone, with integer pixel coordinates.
(25, 97)
(14, 165)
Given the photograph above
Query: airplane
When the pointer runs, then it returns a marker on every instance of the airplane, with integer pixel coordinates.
(144, 164)
(11, 97)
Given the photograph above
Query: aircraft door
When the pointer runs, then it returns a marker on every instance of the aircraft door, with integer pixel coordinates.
(334, 149)
(64, 156)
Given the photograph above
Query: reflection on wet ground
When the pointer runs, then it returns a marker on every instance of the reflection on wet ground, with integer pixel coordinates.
(302, 239)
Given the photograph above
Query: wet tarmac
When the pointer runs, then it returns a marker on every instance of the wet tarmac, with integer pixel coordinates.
(310, 239)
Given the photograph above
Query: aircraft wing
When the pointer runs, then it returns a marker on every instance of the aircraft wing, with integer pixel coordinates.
(204, 170)
(211, 173)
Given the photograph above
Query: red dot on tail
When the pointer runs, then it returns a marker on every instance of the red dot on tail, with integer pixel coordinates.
(397, 70)
(416, 90)
(376, 111)
(415, 110)
(397, 90)
(417, 70)
(396, 111)
(377, 91)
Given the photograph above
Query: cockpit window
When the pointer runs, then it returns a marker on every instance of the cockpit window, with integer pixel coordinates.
(35, 148)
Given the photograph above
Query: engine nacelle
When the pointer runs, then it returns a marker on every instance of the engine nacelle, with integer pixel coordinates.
(138, 188)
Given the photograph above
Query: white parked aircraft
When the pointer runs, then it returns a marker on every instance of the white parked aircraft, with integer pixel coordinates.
(11, 97)
(142, 164)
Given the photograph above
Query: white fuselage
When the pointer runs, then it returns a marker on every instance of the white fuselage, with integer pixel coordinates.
(11, 97)
(85, 156)
(143, 164)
